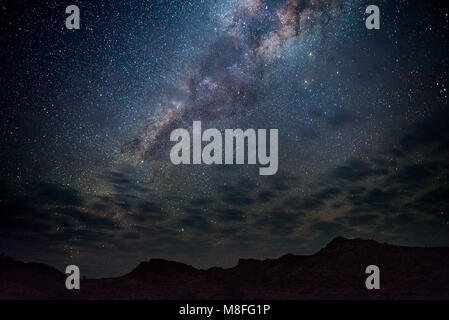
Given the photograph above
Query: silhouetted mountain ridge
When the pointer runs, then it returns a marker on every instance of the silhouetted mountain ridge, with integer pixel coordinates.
(161, 267)
(337, 271)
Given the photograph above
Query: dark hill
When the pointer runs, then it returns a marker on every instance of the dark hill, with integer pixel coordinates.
(20, 280)
(335, 272)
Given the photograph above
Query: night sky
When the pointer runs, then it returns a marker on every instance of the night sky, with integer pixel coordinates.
(86, 115)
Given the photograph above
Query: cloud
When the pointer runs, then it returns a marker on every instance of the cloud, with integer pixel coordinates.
(228, 214)
(121, 181)
(329, 228)
(201, 202)
(149, 207)
(265, 196)
(51, 193)
(427, 133)
(197, 223)
(234, 195)
(356, 170)
(413, 175)
(282, 181)
(278, 221)
(362, 219)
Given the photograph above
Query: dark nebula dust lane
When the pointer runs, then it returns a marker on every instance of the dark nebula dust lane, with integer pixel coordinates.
(86, 116)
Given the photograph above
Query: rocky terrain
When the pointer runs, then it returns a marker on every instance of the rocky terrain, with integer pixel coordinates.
(335, 272)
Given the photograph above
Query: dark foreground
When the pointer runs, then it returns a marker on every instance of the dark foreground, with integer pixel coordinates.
(335, 272)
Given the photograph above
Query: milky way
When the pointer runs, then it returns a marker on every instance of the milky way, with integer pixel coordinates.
(86, 116)
(250, 35)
